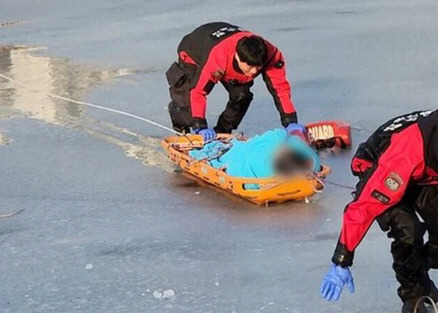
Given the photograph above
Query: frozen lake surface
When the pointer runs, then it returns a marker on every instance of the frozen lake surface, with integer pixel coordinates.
(108, 226)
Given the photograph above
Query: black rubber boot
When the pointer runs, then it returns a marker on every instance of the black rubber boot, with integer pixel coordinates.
(409, 306)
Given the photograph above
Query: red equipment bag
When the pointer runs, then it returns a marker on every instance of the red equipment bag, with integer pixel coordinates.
(327, 134)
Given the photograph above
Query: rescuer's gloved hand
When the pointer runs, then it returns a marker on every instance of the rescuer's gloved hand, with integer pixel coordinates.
(334, 282)
(295, 129)
(206, 133)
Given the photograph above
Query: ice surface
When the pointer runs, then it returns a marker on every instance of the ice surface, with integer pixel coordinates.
(89, 199)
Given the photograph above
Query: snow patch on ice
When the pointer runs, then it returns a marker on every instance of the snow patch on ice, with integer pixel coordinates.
(148, 153)
(157, 294)
(146, 149)
(166, 294)
(4, 140)
(169, 293)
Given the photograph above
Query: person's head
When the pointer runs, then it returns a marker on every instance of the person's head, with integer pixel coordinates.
(251, 54)
(288, 162)
(295, 155)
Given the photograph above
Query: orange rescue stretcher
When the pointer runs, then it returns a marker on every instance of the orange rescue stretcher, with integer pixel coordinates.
(274, 189)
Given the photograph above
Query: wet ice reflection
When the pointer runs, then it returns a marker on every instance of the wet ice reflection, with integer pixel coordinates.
(42, 75)
(45, 75)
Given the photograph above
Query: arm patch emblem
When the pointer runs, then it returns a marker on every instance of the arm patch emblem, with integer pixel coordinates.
(393, 182)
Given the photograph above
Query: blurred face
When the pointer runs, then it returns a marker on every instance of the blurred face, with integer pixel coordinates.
(248, 70)
(288, 162)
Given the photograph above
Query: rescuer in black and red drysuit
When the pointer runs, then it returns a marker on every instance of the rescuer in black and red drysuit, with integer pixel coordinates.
(221, 52)
(398, 179)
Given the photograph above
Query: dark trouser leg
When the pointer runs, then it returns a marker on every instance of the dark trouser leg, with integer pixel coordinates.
(407, 250)
(237, 106)
(427, 207)
(179, 77)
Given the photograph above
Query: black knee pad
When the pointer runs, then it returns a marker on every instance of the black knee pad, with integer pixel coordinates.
(405, 227)
(173, 107)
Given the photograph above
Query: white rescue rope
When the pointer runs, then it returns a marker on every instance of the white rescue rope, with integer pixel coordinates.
(96, 106)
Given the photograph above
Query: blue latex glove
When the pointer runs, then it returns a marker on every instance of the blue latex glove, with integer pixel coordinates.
(207, 133)
(295, 129)
(334, 282)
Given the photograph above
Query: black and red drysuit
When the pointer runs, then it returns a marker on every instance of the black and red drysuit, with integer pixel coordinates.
(206, 56)
(398, 178)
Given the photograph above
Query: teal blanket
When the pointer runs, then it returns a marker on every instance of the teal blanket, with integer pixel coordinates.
(253, 158)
